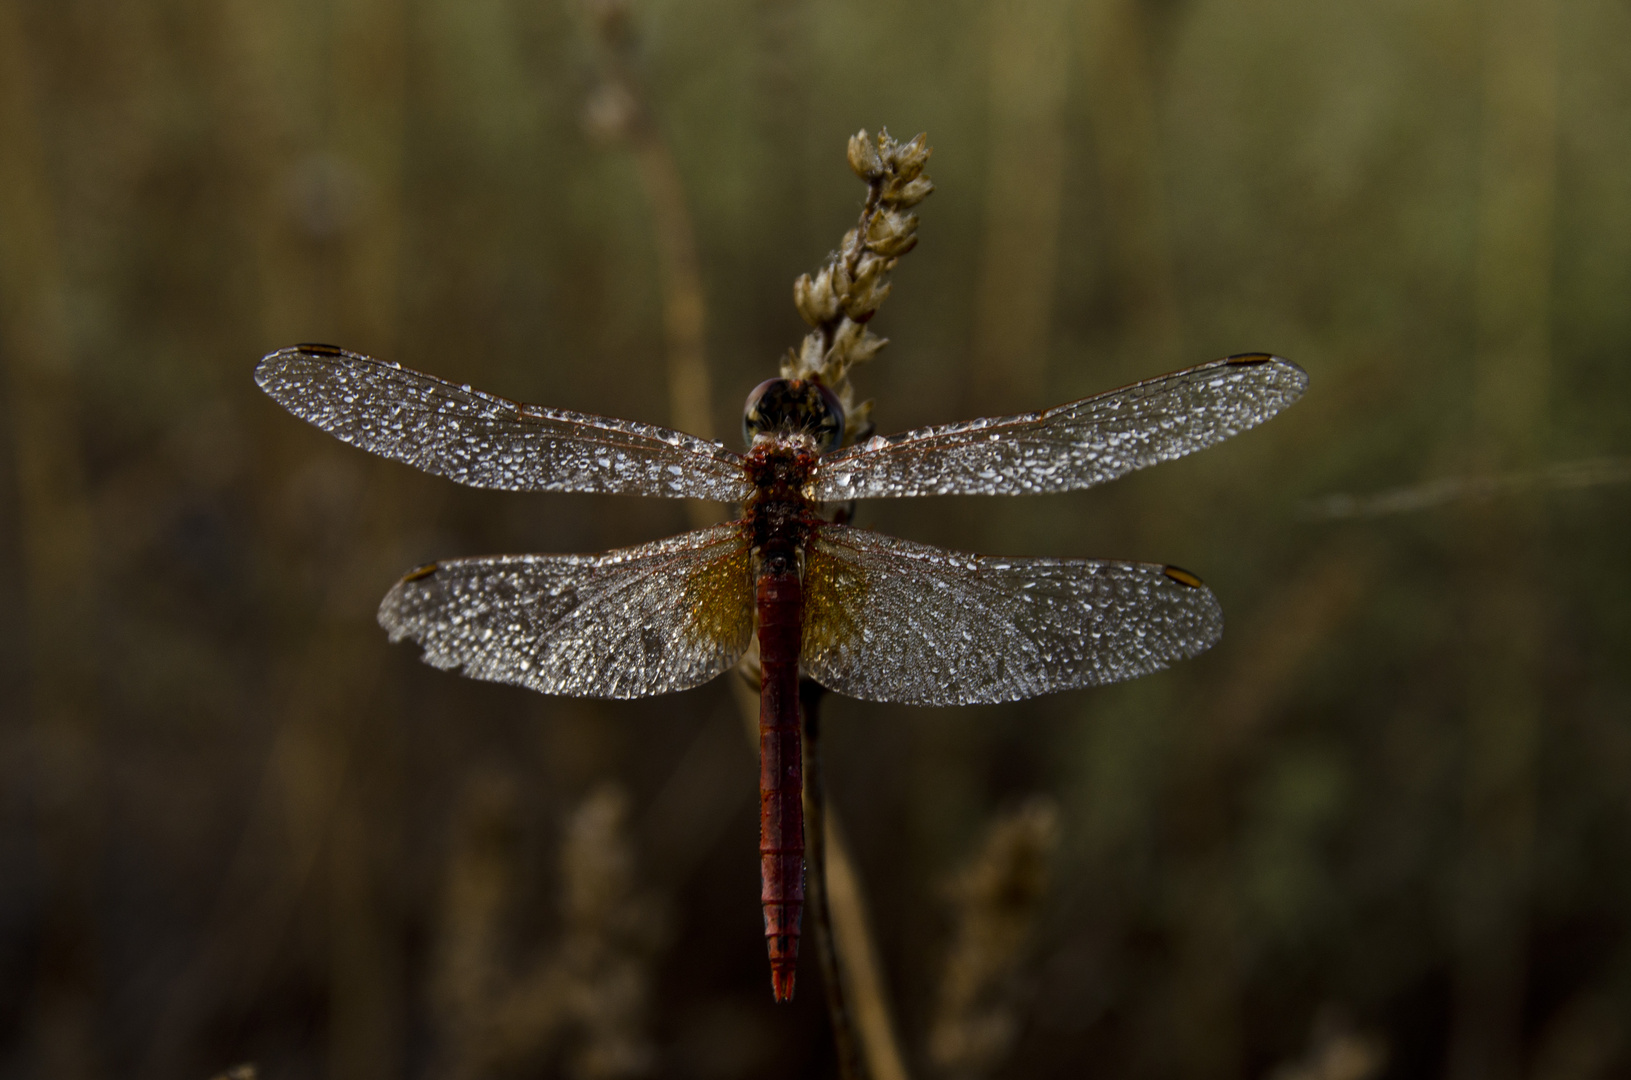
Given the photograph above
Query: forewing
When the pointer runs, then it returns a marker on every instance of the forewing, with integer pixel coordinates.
(488, 441)
(644, 620)
(1072, 446)
(891, 620)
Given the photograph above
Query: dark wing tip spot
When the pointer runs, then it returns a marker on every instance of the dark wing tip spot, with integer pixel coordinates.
(1182, 576)
(1290, 379)
(317, 348)
(422, 572)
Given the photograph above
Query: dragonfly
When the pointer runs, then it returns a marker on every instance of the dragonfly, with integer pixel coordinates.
(861, 613)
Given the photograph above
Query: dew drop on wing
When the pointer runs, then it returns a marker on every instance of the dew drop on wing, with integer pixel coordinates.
(651, 647)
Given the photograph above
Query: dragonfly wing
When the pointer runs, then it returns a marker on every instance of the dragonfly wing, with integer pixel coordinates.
(487, 441)
(1072, 446)
(645, 620)
(891, 620)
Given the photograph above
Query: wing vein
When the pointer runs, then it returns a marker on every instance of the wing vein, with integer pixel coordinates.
(489, 441)
(1070, 446)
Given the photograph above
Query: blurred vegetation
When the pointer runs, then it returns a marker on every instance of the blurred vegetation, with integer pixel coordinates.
(1380, 830)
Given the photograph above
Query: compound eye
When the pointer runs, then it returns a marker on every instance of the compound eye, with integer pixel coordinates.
(762, 413)
(792, 407)
(827, 418)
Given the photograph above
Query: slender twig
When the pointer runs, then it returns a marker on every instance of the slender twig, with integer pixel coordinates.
(815, 860)
(860, 966)
(1564, 476)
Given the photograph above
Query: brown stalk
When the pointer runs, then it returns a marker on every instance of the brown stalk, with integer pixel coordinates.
(1121, 101)
(368, 126)
(1030, 57)
(59, 572)
(860, 966)
(815, 857)
(619, 110)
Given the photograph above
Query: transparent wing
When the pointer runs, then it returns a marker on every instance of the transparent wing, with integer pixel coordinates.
(488, 441)
(1072, 446)
(644, 620)
(891, 620)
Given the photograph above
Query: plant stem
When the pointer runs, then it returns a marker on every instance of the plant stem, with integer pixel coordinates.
(815, 884)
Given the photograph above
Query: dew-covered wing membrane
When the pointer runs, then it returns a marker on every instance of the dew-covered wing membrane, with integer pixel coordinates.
(645, 620)
(488, 441)
(891, 620)
(1072, 446)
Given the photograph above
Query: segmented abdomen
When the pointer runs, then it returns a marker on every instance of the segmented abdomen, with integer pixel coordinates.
(781, 773)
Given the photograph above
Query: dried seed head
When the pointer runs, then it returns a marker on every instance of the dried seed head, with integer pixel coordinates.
(842, 282)
(844, 340)
(863, 302)
(612, 18)
(996, 898)
(804, 301)
(814, 297)
(895, 246)
(863, 158)
(868, 270)
(852, 344)
(858, 420)
(912, 193)
(892, 233)
(610, 113)
(838, 301)
(867, 347)
(908, 160)
(849, 245)
(890, 224)
(812, 354)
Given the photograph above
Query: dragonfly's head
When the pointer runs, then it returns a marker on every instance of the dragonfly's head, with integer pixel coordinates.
(794, 407)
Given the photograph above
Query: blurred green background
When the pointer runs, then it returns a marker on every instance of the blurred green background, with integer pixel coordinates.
(1380, 830)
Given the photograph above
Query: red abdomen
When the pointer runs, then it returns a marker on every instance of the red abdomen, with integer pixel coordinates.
(781, 772)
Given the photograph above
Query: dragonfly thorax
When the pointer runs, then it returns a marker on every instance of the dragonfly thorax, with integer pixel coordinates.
(778, 514)
(793, 407)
